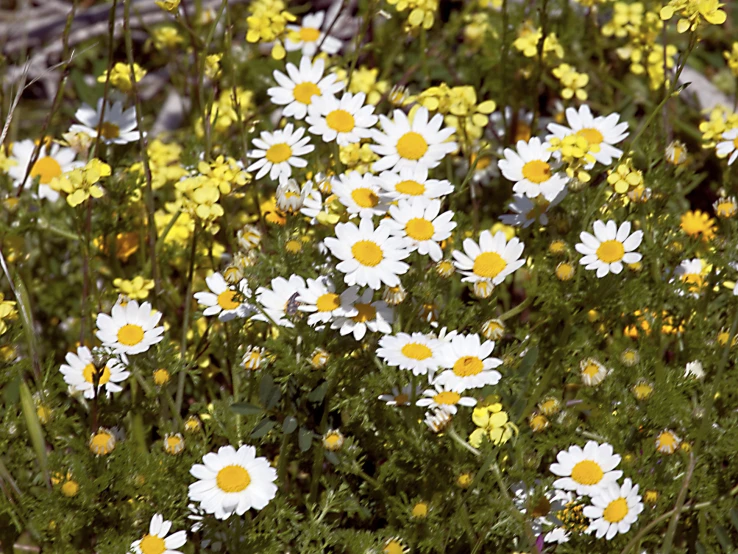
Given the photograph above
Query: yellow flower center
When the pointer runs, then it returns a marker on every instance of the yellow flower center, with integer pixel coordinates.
(725, 208)
(591, 369)
(233, 478)
(410, 187)
(642, 391)
(46, 169)
(420, 509)
(467, 366)
(90, 371)
(279, 153)
(412, 146)
(152, 544)
(332, 440)
(130, 334)
(367, 253)
(309, 34)
(591, 135)
(447, 397)
(109, 130)
(393, 547)
(537, 171)
(694, 280)
(340, 121)
(161, 377)
(364, 197)
(616, 510)
(328, 302)
(489, 265)
(102, 443)
(416, 351)
(304, 92)
(419, 229)
(173, 443)
(522, 132)
(610, 251)
(226, 300)
(667, 441)
(587, 472)
(367, 312)
(735, 142)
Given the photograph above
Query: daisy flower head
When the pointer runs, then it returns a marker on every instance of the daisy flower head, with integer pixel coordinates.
(360, 194)
(531, 170)
(492, 259)
(586, 470)
(413, 183)
(297, 90)
(593, 372)
(82, 371)
(601, 131)
(609, 247)
(698, 224)
(527, 211)
(444, 398)
(118, 125)
(368, 256)
(346, 120)
(224, 300)
(130, 329)
(309, 37)
(419, 220)
(156, 540)
(53, 160)
(468, 363)
(375, 316)
(232, 481)
(437, 420)
(319, 298)
(691, 274)
(728, 146)
(400, 397)
(614, 509)
(667, 442)
(278, 152)
(409, 144)
(279, 301)
(418, 353)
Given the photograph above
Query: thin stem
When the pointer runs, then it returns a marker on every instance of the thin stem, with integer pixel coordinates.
(669, 538)
(185, 322)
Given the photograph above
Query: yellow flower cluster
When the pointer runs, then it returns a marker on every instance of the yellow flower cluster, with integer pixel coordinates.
(163, 162)
(573, 83)
(491, 422)
(476, 30)
(166, 38)
(81, 183)
(692, 13)
(721, 119)
(168, 5)
(225, 173)
(182, 228)
(625, 177)
(5, 162)
(422, 12)
(267, 23)
(223, 114)
(576, 153)
(528, 39)
(7, 313)
(459, 106)
(731, 57)
(120, 76)
(357, 157)
(135, 289)
(199, 196)
(364, 79)
(212, 66)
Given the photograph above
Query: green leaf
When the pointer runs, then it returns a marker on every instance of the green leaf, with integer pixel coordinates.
(722, 537)
(734, 518)
(11, 392)
(289, 425)
(269, 393)
(305, 439)
(262, 428)
(332, 458)
(34, 428)
(244, 408)
(318, 393)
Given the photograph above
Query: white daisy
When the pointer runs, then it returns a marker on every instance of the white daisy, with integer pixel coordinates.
(614, 509)
(468, 363)
(298, 89)
(80, 373)
(529, 211)
(360, 194)
(558, 535)
(233, 481)
(691, 274)
(280, 300)
(400, 397)
(728, 146)
(418, 220)
(493, 259)
(405, 144)
(444, 398)
(593, 372)
(156, 540)
(604, 132)
(319, 298)
(130, 329)
(694, 369)
(531, 171)
(52, 161)
(609, 247)
(418, 353)
(308, 37)
(279, 152)
(377, 317)
(118, 126)
(224, 300)
(368, 256)
(413, 183)
(346, 120)
(288, 195)
(586, 470)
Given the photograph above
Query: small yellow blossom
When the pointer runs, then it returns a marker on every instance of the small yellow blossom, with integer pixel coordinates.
(120, 76)
(731, 57)
(625, 177)
(492, 422)
(692, 13)
(81, 183)
(698, 224)
(168, 5)
(7, 313)
(573, 83)
(166, 38)
(136, 289)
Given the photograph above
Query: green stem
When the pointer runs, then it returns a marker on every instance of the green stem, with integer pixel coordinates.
(185, 321)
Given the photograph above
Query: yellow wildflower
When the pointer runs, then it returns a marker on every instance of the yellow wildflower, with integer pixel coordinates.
(625, 177)
(136, 289)
(168, 5)
(7, 313)
(492, 422)
(573, 83)
(120, 76)
(81, 183)
(692, 13)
